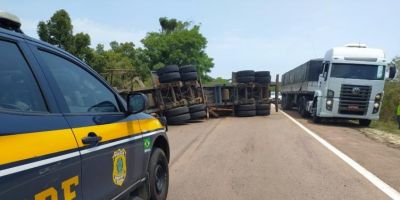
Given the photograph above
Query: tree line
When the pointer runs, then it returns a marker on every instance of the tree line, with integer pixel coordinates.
(177, 42)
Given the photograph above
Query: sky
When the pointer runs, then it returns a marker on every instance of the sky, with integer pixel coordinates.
(274, 35)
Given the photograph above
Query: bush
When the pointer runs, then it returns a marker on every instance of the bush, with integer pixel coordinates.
(391, 100)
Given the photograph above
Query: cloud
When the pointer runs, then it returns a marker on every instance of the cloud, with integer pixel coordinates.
(105, 33)
(99, 33)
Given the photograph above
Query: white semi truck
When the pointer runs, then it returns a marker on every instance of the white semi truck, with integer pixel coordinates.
(346, 84)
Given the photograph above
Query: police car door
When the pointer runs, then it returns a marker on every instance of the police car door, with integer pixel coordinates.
(110, 141)
(39, 156)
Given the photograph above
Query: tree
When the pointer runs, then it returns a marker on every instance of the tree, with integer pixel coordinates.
(177, 43)
(59, 31)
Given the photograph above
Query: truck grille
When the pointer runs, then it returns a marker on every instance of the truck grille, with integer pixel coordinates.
(354, 99)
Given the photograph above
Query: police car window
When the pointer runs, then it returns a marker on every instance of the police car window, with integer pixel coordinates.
(19, 89)
(82, 92)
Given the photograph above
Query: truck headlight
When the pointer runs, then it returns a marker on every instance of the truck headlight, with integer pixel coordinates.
(378, 97)
(329, 102)
(376, 105)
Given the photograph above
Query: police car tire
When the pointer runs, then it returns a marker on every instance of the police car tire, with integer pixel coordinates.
(245, 79)
(176, 111)
(246, 113)
(245, 107)
(263, 79)
(262, 74)
(188, 68)
(179, 119)
(167, 69)
(198, 115)
(158, 159)
(197, 107)
(190, 76)
(245, 73)
(170, 77)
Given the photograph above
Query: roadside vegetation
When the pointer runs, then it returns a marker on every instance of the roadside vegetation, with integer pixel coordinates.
(387, 119)
(177, 42)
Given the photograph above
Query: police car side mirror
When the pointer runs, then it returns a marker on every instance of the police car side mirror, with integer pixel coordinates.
(137, 102)
(392, 72)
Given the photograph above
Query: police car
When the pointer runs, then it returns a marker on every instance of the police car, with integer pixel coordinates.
(66, 134)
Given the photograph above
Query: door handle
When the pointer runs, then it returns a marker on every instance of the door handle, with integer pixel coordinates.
(92, 138)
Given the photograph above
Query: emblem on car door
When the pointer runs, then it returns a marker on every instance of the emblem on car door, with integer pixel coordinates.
(119, 166)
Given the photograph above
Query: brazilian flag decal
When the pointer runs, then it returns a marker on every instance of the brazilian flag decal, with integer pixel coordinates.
(147, 144)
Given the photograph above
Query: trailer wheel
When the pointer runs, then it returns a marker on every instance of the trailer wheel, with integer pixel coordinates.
(245, 73)
(246, 113)
(170, 77)
(197, 107)
(189, 76)
(245, 79)
(176, 111)
(263, 74)
(263, 80)
(188, 68)
(263, 109)
(198, 115)
(179, 119)
(167, 69)
(246, 107)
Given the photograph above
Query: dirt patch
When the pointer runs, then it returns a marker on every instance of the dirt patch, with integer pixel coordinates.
(389, 139)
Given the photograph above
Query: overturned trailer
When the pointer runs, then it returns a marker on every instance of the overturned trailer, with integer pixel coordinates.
(178, 94)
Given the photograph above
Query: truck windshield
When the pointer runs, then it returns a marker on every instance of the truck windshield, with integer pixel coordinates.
(357, 71)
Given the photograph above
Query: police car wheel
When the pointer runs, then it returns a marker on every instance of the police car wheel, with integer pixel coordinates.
(158, 175)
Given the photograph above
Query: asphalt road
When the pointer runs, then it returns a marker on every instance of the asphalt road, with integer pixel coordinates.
(265, 158)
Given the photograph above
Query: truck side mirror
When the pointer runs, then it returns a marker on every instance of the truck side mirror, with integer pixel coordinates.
(392, 72)
(137, 102)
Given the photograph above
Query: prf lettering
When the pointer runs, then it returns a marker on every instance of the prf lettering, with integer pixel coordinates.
(52, 194)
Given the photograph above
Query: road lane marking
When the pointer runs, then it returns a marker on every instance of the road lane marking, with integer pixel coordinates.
(385, 188)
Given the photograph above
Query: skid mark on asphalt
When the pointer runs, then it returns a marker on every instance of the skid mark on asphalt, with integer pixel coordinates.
(385, 188)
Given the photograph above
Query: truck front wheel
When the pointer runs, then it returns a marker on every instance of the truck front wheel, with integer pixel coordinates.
(158, 175)
(364, 122)
(315, 118)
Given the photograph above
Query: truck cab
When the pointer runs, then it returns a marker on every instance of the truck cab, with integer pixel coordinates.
(351, 84)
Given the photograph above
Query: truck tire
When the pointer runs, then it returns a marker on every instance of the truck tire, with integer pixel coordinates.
(315, 118)
(263, 109)
(263, 80)
(189, 76)
(188, 68)
(167, 69)
(245, 73)
(178, 119)
(245, 79)
(364, 122)
(176, 111)
(197, 108)
(245, 107)
(246, 113)
(198, 115)
(158, 175)
(262, 74)
(170, 77)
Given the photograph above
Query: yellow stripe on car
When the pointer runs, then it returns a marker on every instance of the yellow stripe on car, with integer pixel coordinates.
(30, 145)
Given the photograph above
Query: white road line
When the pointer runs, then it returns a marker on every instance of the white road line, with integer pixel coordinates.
(392, 193)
